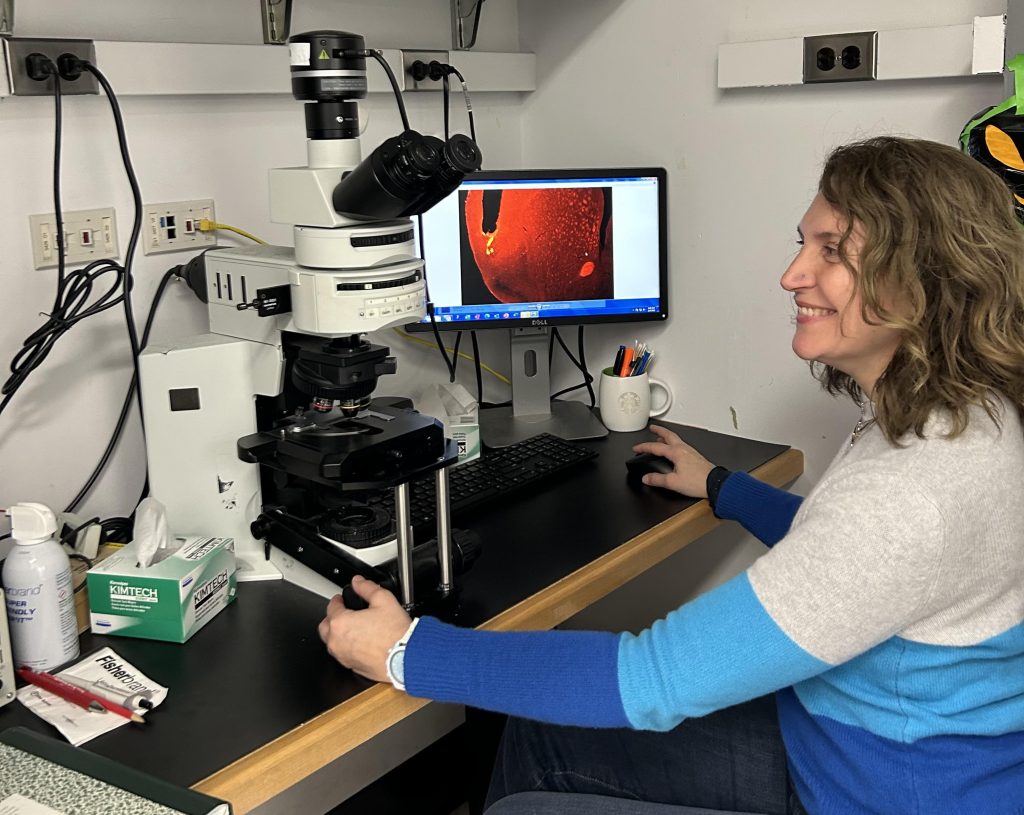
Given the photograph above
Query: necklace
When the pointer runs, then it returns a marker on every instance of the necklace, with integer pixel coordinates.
(863, 423)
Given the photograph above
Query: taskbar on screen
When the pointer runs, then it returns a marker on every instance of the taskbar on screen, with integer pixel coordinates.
(539, 311)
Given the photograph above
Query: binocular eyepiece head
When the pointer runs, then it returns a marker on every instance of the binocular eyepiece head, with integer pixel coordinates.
(405, 176)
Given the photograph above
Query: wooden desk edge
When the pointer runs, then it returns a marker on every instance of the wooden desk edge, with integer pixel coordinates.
(278, 765)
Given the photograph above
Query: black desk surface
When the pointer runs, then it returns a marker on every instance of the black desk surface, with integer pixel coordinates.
(258, 669)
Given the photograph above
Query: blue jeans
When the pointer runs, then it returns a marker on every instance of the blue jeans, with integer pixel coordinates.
(732, 760)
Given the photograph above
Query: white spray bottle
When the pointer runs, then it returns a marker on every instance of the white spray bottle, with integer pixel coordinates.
(39, 594)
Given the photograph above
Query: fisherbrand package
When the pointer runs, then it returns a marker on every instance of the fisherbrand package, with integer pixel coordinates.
(169, 600)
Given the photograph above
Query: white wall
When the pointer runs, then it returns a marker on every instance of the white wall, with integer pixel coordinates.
(54, 430)
(620, 82)
(634, 82)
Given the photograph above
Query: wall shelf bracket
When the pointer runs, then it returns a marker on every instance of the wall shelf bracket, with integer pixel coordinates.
(276, 16)
(464, 13)
(6, 18)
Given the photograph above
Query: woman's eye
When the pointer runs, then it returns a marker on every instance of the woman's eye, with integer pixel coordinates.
(831, 251)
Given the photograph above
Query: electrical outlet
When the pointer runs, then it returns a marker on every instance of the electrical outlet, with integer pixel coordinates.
(89, 234)
(18, 50)
(174, 227)
(841, 57)
(409, 58)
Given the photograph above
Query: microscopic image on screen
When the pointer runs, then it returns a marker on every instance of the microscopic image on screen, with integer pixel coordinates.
(537, 245)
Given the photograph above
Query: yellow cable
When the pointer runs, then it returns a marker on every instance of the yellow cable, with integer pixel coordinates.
(206, 225)
(483, 366)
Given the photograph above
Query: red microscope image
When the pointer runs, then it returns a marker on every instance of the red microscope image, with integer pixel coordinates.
(534, 245)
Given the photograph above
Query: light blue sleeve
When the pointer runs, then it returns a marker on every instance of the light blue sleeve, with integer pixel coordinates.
(716, 651)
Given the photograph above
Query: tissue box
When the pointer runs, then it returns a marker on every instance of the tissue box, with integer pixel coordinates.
(170, 600)
(465, 430)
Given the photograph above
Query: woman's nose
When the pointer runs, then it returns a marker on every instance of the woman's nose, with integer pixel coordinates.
(796, 275)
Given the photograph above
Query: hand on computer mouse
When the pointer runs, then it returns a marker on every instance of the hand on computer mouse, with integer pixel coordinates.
(690, 469)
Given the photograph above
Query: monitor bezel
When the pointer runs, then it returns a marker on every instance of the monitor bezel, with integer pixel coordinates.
(558, 174)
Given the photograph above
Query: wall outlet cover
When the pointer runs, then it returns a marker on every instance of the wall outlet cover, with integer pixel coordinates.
(847, 57)
(174, 226)
(89, 234)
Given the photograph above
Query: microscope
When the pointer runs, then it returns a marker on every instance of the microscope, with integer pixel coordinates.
(266, 429)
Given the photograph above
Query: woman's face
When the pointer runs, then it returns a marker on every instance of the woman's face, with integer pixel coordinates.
(829, 325)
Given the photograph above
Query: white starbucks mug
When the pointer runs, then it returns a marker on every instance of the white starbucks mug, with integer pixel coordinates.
(624, 402)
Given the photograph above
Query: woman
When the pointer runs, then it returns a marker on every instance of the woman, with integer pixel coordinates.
(888, 614)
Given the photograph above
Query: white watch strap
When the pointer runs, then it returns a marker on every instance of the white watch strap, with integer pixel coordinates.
(400, 645)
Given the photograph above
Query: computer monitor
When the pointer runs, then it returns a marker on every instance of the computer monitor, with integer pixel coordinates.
(527, 250)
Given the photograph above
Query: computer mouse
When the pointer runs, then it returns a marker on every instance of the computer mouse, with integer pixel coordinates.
(644, 463)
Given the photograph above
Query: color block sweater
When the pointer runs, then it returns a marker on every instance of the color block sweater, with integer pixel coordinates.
(888, 614)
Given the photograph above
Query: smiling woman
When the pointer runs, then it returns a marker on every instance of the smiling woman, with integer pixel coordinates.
(887, 617)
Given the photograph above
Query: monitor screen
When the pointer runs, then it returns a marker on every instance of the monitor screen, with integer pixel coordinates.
(520, 248)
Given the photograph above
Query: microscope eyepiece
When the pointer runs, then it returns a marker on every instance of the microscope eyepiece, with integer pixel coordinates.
(458, 157)
(462, 155)
(388, 180)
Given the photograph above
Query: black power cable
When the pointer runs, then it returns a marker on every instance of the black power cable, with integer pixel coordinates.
(581, 365)
(377, 55)
(72, 303)
(465, 96)
(438, 70)
(70, 68)
(445, 102)
(133, 241)
(476, 368)
(126, 405)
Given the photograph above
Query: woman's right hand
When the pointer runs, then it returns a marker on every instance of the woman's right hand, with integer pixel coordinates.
(690, 468)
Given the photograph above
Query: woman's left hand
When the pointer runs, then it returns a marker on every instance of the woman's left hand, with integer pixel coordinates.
(360, 640)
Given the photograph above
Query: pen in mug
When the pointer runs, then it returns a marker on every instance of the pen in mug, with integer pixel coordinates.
(619, 359)
(627, 358)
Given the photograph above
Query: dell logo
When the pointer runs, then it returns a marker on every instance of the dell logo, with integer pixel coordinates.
(538, 322)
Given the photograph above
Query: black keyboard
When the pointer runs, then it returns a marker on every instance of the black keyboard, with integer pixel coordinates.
(494, 475)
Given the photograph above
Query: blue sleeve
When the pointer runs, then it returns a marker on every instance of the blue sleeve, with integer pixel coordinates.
(564, 677)
(764, 511)
(718, 650)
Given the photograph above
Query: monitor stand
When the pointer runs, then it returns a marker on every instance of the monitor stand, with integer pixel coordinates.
(532, 411)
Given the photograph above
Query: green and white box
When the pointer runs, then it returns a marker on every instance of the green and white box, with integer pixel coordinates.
(467, 436)
(169, 600)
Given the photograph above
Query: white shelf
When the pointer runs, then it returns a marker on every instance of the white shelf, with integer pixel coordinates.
(909, 53)
(201, 69)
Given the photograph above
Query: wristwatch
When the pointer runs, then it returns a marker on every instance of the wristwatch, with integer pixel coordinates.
(395, 663)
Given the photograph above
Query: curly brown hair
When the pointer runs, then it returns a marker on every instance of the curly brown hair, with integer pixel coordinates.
(941, 239)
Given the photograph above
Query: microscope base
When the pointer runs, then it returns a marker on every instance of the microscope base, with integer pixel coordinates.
(254, 568)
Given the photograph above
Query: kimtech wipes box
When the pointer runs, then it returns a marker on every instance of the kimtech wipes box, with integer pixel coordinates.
(169, 600)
